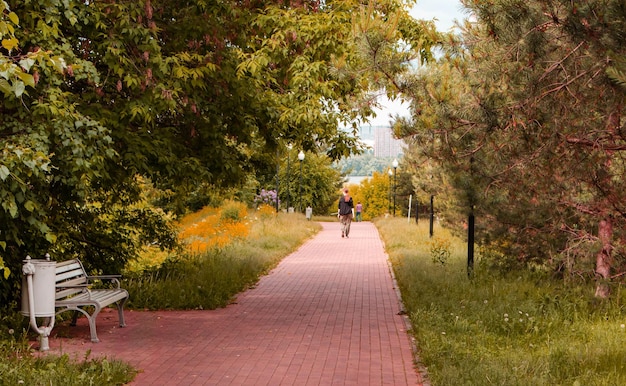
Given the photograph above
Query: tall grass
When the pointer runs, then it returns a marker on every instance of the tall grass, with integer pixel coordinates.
(212, 278)
(524, 328)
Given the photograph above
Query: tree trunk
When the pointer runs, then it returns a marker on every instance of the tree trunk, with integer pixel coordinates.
(603, 259)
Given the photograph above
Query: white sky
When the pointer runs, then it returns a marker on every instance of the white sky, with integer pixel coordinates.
(444, 13)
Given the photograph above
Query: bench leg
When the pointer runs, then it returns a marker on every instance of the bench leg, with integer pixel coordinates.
(92, 328)
(90, 318)
(92, 324)
(120, 311)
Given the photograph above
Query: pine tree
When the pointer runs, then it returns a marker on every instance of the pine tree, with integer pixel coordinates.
(524, 117)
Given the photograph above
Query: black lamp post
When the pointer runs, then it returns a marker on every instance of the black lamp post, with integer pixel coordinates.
(301, 158)
(395, 166)
(288, 177)
(432, 215)
(389, 193)
(277, 180)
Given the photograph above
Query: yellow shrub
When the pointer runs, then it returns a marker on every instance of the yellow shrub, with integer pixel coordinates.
(150, 257)
(204, 230)
(214, 227)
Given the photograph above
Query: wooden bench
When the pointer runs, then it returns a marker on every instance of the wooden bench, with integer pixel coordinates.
(74, 292)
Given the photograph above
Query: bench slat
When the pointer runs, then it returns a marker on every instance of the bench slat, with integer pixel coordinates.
(69, 275)
(68, 292)
(73, 267)
(100, 297)
(68, 265)
(73, 281)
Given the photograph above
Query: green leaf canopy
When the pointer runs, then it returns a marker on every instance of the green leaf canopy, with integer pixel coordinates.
(102, 96)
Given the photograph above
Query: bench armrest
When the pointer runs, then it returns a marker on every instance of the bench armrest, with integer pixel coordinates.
(112, 278)
(104, 277)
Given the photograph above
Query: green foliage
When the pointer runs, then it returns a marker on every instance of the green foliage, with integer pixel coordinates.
(185, 198)
(15, 69)
(318, 184)
(5, 270)
(364, 165)
(106, 231)
(522, 328)
(101, 98)
(233, 211)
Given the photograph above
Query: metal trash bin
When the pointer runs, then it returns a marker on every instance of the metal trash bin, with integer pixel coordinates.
(43, 288)
(38, 295)
(309, 212)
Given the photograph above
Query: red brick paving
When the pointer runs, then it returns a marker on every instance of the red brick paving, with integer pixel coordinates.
(326, 315)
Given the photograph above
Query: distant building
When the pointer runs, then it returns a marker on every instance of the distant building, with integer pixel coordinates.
(381, 142)
(385, 145)
(368, 133)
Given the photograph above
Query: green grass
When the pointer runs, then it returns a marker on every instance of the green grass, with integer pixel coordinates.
(212, 279)
(18, 366)
(524, 328)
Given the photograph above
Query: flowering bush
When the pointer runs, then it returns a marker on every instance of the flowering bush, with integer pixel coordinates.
(214, 227)
(206, 229)
(268, 197)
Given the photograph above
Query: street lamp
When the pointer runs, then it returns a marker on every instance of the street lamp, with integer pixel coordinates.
(395, 166)
(288, 177)
(277, 178)
(301, 158)
(389, 193)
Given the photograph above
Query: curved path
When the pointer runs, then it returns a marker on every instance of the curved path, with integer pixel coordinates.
(328, 314)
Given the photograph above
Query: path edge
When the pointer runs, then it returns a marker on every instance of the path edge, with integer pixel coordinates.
(419, 365)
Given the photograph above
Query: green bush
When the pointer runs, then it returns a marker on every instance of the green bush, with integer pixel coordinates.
(233, 211)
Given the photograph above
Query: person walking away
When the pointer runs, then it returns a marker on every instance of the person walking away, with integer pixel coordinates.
(345, 213)
(359, 209)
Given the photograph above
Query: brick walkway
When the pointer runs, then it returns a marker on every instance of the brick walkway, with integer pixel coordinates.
(326, 315)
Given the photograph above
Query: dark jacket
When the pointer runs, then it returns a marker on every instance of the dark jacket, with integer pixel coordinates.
(345, 207)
